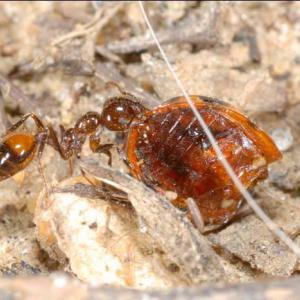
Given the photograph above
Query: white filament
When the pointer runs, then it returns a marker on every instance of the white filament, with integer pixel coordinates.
(251, 201)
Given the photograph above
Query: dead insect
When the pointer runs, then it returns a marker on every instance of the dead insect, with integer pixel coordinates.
(164, 147)
(167, 149)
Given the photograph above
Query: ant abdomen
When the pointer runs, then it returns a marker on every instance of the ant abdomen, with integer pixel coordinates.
(16, 152)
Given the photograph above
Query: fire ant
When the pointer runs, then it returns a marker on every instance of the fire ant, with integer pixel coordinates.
(18, 149)
(164, 147)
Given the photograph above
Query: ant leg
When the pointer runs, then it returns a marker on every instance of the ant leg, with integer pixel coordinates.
(96, 147)
(105, 149)
(71, 166)
(42, 140)
(62, 130)
(113, 84)
(37, 121)
(53, 141)
(122, 91)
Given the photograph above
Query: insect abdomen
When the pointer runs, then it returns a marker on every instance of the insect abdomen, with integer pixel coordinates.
(16, 152)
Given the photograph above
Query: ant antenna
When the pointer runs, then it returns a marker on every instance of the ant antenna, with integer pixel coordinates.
(251, 201)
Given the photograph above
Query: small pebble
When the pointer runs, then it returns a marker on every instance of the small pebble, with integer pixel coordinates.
(283, 138)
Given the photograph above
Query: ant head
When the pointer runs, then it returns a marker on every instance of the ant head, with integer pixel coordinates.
(118, 113)
(71, 141)
(67, 139)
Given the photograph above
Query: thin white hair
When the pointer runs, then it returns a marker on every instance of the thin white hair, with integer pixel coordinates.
(251, 201)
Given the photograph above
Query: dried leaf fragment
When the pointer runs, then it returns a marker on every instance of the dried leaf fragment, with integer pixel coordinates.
(251, 241)
(167, 226)
(101, 241)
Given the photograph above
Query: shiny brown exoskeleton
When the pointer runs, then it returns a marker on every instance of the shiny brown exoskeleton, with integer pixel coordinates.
(17, 148)
(164, 147)
(167, 149)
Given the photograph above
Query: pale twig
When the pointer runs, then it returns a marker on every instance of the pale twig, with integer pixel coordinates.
(79, 32)
(251, 201)
(202, 32)
(102, 17)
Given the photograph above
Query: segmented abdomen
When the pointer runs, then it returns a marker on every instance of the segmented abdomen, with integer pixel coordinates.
(16, 152)
(171, 151)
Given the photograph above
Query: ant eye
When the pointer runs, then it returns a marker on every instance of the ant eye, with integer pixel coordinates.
(117, 115)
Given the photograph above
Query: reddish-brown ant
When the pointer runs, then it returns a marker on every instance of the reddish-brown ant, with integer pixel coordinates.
(164, 147)
(18, 148)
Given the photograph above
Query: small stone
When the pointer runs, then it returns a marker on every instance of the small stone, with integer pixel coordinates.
(283, 138)
(285, 174)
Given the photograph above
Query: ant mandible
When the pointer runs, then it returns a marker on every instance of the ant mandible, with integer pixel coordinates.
(164, 147)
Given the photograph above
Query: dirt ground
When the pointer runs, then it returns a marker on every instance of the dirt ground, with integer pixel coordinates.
(55, 60)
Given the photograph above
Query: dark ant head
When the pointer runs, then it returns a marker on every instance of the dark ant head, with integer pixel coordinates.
(66, 143)
(118, 113)
(71, 141)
